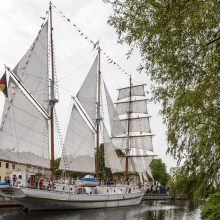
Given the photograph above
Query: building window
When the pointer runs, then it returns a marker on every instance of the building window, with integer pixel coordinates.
(7, 165)
(0, 164)
(13, 166)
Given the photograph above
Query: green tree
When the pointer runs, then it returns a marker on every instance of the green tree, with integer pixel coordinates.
(159, 172)
(179, 45)
(119, 152)
(211, 209)
(56, 165)
(104, 172)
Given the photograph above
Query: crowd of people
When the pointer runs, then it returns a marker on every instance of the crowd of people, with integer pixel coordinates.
(154, 187)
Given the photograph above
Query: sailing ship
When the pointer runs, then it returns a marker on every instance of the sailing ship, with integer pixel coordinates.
(27, 129)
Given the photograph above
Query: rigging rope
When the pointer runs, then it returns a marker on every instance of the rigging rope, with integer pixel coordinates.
(64, 156)
(93, 43)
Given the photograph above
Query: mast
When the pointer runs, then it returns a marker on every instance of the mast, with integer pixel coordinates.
(128, 135)
(52, 98)
(98, 114)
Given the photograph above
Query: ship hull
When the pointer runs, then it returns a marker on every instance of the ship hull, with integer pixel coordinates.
(49, 200)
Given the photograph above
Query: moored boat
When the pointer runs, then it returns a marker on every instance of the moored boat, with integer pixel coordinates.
(27, 129)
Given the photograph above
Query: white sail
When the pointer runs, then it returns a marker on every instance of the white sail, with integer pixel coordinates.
(131, 168)
(24, 131)
(116, 125)
(138, 165)
(111, 158)
(137, 106)
(141, 124)
(33, 68)
(148, 161)
(88, 92)
(135, 91)
(138, 142)
(141, 164)
(79, 144)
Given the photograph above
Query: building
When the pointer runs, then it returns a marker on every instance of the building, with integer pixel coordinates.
(8, 167)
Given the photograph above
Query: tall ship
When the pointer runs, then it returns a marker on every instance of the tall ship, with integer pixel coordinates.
(27, 134)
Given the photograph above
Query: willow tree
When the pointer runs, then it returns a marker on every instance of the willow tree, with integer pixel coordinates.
(180, 49)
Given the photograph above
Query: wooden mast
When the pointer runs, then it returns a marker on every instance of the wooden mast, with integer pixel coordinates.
(128, 135)
(98, 114)
(52, 99)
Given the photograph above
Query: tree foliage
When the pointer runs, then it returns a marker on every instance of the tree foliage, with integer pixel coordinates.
(190, 185)
(211, 209)
(104, 172)
(158, 169)
(180, 49)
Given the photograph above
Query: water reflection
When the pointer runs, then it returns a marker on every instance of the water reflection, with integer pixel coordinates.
(156, 210)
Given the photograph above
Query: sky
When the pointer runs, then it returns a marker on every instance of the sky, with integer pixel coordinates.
(20, 22)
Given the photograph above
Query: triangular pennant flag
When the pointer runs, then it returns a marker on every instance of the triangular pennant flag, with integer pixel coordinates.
(96, 44)
(3, 85)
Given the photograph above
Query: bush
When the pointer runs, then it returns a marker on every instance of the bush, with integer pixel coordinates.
(211, 208)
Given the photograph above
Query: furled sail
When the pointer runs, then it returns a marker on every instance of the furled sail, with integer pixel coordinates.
(111, 158)
(135, 91)
(24, 131)
(87, 93)
(79, 144)
(116, 125)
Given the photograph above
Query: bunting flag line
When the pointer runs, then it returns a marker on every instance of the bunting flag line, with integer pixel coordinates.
(3, 85)
(95, 45)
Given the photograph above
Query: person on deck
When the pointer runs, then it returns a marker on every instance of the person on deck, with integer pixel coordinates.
(40, 184)
(14, 179)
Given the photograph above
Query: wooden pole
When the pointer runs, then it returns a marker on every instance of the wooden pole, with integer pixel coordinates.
(98, 115)
(128, 135)
(52, 101)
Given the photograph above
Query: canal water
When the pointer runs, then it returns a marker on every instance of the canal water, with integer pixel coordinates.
(153, 210)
